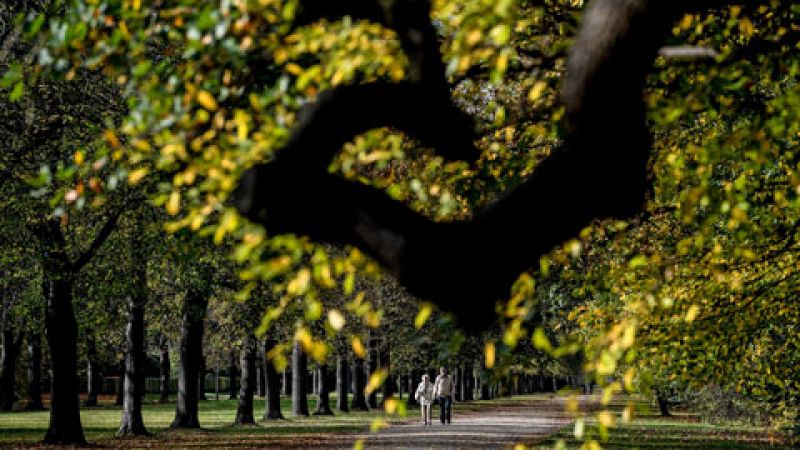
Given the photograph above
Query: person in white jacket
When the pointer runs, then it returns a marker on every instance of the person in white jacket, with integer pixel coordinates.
(443, 389)
(424, 396)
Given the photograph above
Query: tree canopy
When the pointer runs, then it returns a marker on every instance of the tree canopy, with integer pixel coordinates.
(616, 180)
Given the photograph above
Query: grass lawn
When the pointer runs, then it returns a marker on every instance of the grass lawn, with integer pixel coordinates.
(647, 431)
(683, 430)
(216, 417)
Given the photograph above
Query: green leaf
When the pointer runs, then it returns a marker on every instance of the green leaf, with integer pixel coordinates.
(17, 92)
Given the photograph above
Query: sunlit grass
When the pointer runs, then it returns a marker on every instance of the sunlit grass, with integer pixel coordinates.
(217, 416)
(683, 430)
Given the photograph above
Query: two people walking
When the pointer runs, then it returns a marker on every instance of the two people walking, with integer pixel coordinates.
(442, 389)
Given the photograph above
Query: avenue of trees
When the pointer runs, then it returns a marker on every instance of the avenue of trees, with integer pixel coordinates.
(603, 192)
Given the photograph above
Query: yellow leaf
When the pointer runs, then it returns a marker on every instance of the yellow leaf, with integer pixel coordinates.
(299, 285)
(691, 314)
(473, 37)
(137, 175)
(607, 364)
(358, 347)
(174, 203)
(207, 100)
(294, 69)
(336, 319)
(627, 413)
(377, 425)
(536, 91)
(540, 340)
(111, 138)
(489, 353)
(390, 405)
(376, 380)
(605, 418)
(241, 118)
(579, 428)
(303, 336)
(746, 28)
(79, 158)
(629, 336)
(630, 375)
(422, 316)
(571, 404)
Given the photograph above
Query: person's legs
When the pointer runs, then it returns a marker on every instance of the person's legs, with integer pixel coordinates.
(424, 414)
(448, 401)
(442, 408)
(428, 418)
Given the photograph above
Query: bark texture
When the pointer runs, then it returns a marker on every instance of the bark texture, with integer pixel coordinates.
(323, 401)
(164, 372)
(191, 354)
(132, 423)
(273, 404)
(244, 410)
(12, 343)
(359, 383)
(34, 372)
(342, 382)
(233, 384)
(299, 382)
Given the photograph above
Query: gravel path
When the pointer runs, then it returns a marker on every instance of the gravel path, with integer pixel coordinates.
(509, 423)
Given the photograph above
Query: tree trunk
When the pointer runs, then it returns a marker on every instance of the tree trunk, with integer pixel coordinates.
(372, 367)
(485, 388)
(360, 379)
(384, 359)
(412, 388)
(469, 383)
(120, 400)
(663, 405)
(232, 384)
(461, 389)
(342, 372)
(273, 402)
(35, 372)
(201, 375)
(244, 411)
(61, 330)
(216, 381)
(131, 423)
(286, 384)
(299, 372)
(92, 372)
(323, 401)
(191, 353)
(458, 376)
(12, 342)
(164, 373)
(260, 385)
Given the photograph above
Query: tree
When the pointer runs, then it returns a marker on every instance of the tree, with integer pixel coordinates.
(273, 404)
(132, 422)
(299, 381)
(323, 407)
(244, 412)
(602, 89)
(558, 176)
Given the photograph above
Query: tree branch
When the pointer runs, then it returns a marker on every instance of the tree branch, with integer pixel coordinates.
(464, 267)
(99, 239)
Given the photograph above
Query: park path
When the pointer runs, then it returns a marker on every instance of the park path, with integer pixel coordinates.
(502, 425)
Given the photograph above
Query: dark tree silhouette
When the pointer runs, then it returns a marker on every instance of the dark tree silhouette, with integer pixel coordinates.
(598, 171)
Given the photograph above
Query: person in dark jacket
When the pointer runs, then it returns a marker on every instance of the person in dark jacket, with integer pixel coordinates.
(443, 389)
